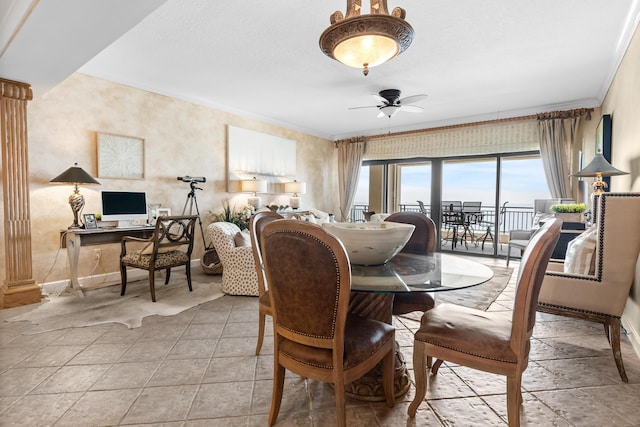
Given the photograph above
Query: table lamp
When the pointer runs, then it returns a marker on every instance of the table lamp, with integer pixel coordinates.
(254, 186)
(75, 175)
(296, 188)
(598, 168)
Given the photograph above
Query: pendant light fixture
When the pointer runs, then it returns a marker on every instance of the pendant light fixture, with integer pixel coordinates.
(364, 41)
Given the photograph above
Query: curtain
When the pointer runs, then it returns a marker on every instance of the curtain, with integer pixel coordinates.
(557, 138)
(350, 153)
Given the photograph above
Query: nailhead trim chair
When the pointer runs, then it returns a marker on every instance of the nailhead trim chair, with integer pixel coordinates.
(601, 297)
(487, 341)
(257, 223)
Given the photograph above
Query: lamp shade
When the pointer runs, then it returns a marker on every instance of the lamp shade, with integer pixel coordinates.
(599, 166)
(74, 175)
(254, 186)
(295, 187)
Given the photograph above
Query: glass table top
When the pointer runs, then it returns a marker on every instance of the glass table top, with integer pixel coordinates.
(406, 272)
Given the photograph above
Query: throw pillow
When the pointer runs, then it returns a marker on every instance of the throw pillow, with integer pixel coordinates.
(242, 238)
(580, 255)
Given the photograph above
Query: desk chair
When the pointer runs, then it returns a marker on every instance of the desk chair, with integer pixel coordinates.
(484, 340)
(170, 246)
(309, 279)
(256, 224)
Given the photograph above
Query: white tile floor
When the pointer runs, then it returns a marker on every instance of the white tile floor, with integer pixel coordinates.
(198, 368)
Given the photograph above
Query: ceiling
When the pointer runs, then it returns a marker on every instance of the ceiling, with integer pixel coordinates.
(476, 60)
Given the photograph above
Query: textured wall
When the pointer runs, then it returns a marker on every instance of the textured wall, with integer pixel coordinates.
(180, 139)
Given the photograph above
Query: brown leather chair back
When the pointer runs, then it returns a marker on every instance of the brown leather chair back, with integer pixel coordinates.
(309, 280)
(423, 240)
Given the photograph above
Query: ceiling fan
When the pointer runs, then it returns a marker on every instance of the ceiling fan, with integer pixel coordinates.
(390, 103)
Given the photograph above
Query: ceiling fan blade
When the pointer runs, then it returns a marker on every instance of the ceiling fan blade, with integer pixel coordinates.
(381, 115)
(359, 108)
(411, 108)
(413, 99)
(381, 99)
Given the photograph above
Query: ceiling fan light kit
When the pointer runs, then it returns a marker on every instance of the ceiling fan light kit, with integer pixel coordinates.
(364, 41)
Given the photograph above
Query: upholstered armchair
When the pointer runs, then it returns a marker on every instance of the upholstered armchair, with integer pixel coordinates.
(234, 250)
(519, 239)
(595, 279)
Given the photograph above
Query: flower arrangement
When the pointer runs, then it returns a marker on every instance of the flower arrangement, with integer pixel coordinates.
(239, 218)
(569, 208)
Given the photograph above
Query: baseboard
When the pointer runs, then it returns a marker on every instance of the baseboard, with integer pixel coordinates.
(101, 280)
(633, 334)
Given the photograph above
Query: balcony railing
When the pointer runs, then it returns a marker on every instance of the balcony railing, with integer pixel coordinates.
(514, 218)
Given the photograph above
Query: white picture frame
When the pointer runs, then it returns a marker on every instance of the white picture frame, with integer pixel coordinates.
(120, 156)
(163, 212)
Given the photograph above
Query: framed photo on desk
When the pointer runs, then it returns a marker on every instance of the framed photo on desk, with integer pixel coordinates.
(90, 221)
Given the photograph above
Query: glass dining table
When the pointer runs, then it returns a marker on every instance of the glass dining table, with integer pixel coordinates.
(373, 288)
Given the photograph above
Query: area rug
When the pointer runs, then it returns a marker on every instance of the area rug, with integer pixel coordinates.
(105, 305)
(479, 297)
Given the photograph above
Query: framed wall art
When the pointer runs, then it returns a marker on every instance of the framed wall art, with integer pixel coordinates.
(255, 154)
(603, 141)
(120, 156)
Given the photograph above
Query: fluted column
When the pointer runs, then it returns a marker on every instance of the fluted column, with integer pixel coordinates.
(18, 287)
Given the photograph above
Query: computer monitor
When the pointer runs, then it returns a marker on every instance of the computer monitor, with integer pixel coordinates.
(124, 207)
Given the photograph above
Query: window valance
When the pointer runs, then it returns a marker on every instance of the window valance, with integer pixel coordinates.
(461, 140)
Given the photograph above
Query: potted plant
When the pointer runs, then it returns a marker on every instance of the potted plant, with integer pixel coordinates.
(570, 212)
(239, 218)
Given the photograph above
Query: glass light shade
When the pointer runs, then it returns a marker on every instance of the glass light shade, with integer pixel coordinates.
(368, 49)
(295, 187)
(254, 186)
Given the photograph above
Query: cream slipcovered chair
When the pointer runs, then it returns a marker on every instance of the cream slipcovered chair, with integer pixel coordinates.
(234, 250)
(594, 284)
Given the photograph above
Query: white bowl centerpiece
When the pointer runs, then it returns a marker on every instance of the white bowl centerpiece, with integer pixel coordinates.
(371, 243)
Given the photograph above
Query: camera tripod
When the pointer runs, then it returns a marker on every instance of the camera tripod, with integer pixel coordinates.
(191, 202)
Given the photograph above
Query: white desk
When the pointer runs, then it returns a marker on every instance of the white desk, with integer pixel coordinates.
(74, 239)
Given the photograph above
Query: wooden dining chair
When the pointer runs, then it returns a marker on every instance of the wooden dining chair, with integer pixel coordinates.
(170, 246)
(488, 341)
(309, 278)
(422, 241)
(256, 224)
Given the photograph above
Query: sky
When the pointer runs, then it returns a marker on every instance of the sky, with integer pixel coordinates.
(523, 181)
